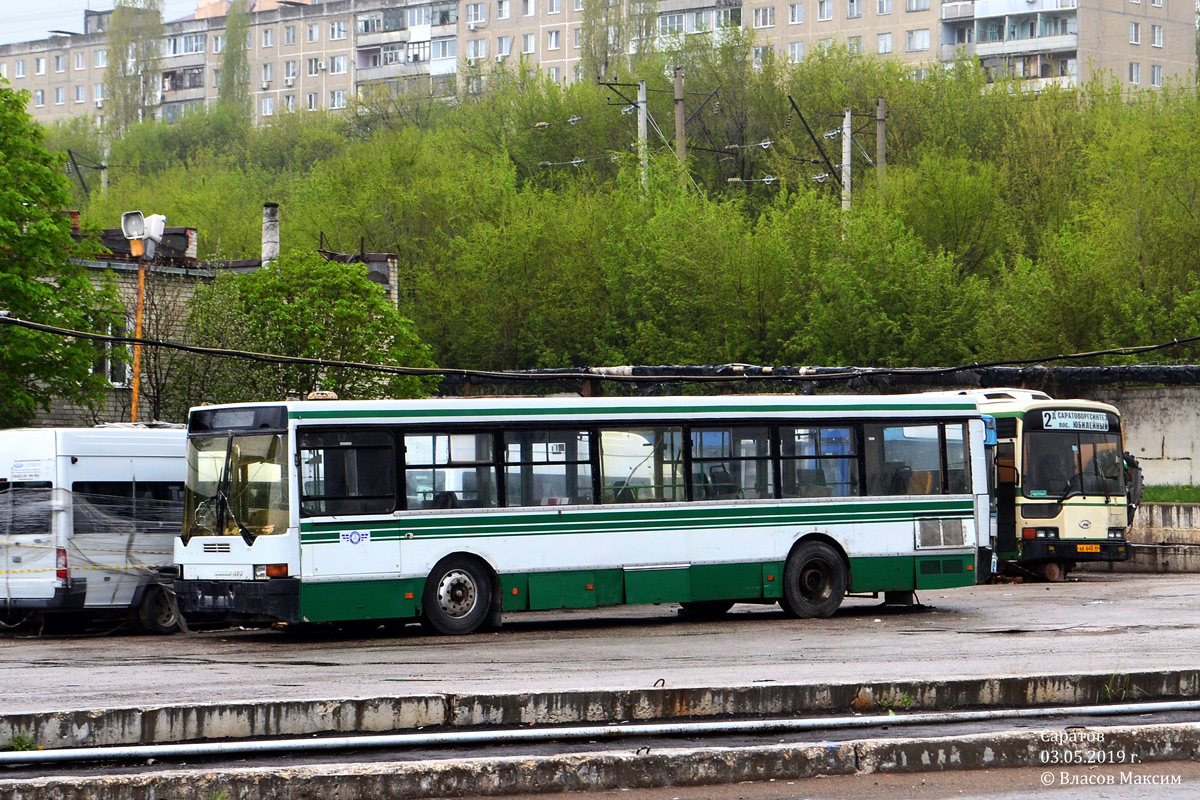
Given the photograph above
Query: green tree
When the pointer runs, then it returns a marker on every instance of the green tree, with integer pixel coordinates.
(37, 281)
(130, 80)
(300, 306)
(233, 87)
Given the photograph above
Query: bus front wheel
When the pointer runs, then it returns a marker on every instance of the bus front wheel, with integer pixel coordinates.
(457, 596)
(814, 581)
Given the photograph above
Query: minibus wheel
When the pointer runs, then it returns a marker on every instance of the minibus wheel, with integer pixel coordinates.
(157, 613)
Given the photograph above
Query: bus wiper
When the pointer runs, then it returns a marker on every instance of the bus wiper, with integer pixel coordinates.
(224, 505)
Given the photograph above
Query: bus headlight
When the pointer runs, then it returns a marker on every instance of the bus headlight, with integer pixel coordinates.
(1116, 533)
(1039, 533)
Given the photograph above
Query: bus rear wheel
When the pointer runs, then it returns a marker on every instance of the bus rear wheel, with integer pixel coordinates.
(457, 596)
(814, 581)
(157, 613)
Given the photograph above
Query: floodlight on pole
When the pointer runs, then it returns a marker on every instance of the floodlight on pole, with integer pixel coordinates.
(138, 229)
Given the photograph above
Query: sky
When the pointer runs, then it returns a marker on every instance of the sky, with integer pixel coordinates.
(26, 20)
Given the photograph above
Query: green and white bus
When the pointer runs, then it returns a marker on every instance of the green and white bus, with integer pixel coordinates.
(1063, 496)
(455, 511)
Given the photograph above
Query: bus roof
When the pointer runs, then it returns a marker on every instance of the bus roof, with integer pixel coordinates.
(533, 409)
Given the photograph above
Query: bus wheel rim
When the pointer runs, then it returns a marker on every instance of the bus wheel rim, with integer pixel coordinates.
(456, 594)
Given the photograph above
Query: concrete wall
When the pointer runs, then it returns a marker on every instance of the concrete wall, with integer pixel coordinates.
(1162, 430)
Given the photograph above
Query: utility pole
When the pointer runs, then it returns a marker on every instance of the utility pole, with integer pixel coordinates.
(643, 117)
(846, 143)
(880, 141)
(680, 118)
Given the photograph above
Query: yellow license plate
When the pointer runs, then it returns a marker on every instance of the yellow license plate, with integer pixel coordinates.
(1087, 548)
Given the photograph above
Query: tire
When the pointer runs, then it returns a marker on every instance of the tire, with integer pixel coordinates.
(457, 596)
(705, 609)
(157, 613)
(814, 581)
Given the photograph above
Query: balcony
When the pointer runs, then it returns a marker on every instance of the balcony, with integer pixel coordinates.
(950, 51)
(381, 37)
(1036, 44)
(958, 10)
(404, 69)
(1007, 8)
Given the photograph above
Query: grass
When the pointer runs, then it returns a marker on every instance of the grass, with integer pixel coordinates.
(1171, 494)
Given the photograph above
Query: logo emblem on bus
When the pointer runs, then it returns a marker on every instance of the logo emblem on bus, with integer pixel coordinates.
(356, 537)
(1085, 524)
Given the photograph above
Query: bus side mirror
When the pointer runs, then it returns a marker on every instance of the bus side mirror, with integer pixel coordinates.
(1006, 464)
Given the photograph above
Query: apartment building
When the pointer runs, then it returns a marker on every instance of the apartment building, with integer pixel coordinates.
(307, 55)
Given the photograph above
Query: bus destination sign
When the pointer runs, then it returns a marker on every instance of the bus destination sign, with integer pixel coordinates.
(1075, 420)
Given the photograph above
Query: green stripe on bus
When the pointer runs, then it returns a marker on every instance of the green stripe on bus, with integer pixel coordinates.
(330, 601)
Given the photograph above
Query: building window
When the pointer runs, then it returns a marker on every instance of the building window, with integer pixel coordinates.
(760, 54)
(39, 98)
(475, 12)
(314, 66)
(313, 103)
(527, 43)
(338, 65)
(731, 17)
(19, 69)
(854, 44)
(883, 7)
(218, 43)
(824, 10)
(916, 5)
(795, 52)
(552, 74)
(476, 49)
(338, 30)
(577, 37)
(289, 102)
(60, 63)
(1156, 75)
(853, 9)
(528, 8)
(670, 24)
(918, 40)
(884, 41)
(553, 40)
(289, 69)
(60, 95)
(553, 6)
(39, 66)
(337, 98)
(1156, 3)
(268, 106)
(369, 23)
(289, 34)
(3, 70)
(1135, 73)
(80, 93)
(79, 61)
(503, 9)
(1156, 38)
(795, 13)
(1135, 33)
(314, 32)
(445, 48)
(268, 37)
(504, 46)
(100, 59)
(764, 17)
(579, 5)
(98, 92)
(268, 70)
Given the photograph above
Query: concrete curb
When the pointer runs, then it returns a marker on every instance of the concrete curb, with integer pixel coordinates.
(167, 724)
(1049, 748)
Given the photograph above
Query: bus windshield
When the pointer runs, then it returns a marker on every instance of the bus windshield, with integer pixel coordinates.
(236, 486)
(1065, 463)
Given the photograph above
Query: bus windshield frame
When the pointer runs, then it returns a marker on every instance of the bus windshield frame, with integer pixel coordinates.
(1062, 463)
(236, 485)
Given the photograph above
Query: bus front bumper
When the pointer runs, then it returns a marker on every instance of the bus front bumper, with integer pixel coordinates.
(276, 600)
(1033, 550)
